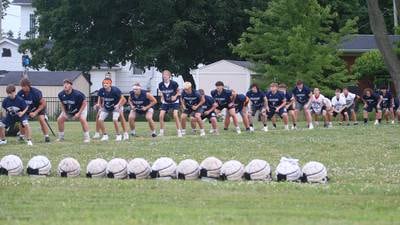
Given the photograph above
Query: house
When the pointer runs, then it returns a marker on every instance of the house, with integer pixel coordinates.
(10, 58)
(50, 83)
(27, 18)
(236, 75)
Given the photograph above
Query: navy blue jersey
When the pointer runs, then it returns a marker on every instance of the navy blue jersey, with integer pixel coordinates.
(288, 97)
(387, 100)
(302, 96)
(169, 91)
(141, 100)
(71, 102)
(32, 98)
(110, 98)
(209, 102)
(223, 98)
(275, 100)
(191, 99)
(372, 100)
(396, 103)
(14, 106)
(240, 99)
(256, 98)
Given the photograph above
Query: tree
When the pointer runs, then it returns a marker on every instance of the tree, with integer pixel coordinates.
(370, 64)
(378, 27)
(167, 34)
(3, 6)
(294, 40)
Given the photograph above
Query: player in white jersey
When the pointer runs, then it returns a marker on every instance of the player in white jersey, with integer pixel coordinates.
(320, 106)
(339, 107)
(350, 104)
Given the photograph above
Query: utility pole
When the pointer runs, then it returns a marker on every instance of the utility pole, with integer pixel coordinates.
(1, 18)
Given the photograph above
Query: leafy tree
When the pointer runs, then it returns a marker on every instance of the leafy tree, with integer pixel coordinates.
(294, 40)
(370, 64)
(167, 34)
(3, 6)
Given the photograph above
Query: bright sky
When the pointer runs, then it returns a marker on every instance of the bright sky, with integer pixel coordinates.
(12, 20)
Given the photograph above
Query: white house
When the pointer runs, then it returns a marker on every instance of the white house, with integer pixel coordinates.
(236, 75)
(10, 58)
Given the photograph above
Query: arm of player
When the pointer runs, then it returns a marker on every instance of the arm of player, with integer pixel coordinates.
(83, 106)
(202, 101)
(213, 107)
(281, 105)
(22, 113)
(153, 101)
(291, 102)
(130, 103)
(120, 103)
(379, 102)
(42, 105)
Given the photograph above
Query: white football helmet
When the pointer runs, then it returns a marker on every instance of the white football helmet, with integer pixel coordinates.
(314, 172)
(164, 168)
(188, 169)
(96, 168)
(138, 168)
(11, 165)
(232, 170)
(210, 168)
(288, 169)
(39, 166)
(257, 169)
(117, 168)
(69, 167)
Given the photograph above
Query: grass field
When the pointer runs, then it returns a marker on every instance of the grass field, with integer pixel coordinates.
(363, 164)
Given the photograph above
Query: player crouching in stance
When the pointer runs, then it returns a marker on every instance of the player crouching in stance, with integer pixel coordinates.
(339, 107)
(257, 105)
(208, 112)
(350, 104)
(387, 104)
(111, 103)
(16, 110)
(191, 106)
(37, 106)
(320, 106)
(73, 107)
(276, 104)
(372, 101)
(241, 104)
(169, 101)
(141, 103)
(225, 100)
(290, 104)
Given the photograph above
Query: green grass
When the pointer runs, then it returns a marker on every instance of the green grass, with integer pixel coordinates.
(363, 164)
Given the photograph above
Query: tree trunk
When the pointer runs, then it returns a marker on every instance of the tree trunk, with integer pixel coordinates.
(378, 27)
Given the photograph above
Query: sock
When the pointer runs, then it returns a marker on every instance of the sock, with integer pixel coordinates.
(265, 125)
(294, 124)
(86, 134)
(161, 131)
(379, 120)
(365, 120)
(61, 134)
(274, 125)
(247, 128)
(133, 131)
(251, 125)
(225, 128)
(202, 130)
(46, 135)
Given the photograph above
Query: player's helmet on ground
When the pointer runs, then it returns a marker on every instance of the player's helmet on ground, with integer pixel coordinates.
(257, 169)
(138, 168)
(11, 165)
(210, 168)
(69, 167)
(314, 172)
(96, 168)
(164, 168)
(288, 169)
(117, 168)
(232, 170)
(39, 166)
(188, 169)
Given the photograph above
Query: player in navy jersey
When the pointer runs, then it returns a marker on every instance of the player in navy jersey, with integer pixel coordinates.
(396, 108)
(276, 104)
(112, 102)
(16, 109)
(372, 102)
(73, 107)
(169, 101)
(241, 104)
(302, 94)
(225, 100)
(37, 106)
(141, 103)
(208, 112)
(290, 104)
(257, 105)
(387, 104)
(191, 106)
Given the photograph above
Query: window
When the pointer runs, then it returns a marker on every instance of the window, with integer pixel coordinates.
(6, 52)
(32, 23)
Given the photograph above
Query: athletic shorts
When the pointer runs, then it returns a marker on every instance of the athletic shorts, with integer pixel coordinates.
(41, 112)
(9, 121)
(290, 108)
(192, 112)
(141, 112)
(350, 109)
(320, 112)
(371, 108)
(220, 108)
(105, 113)
(169, 106)
(209, 116)
(239, 107)
(272, 112)
(341, 112)
(254, 109)
(300, 106)
(70, 116)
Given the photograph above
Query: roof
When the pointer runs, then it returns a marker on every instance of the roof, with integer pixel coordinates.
(39, 78)
(22, 2)
(361, 43)
(15, 42)
(245, 64)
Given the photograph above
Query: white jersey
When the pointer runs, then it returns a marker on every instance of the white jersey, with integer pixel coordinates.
(317, 103)
(349, 99)
(338, 103)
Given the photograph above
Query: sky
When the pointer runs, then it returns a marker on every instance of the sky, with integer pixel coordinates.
(11, 20)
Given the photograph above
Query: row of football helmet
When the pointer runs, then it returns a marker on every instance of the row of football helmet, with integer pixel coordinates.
(210, 168)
